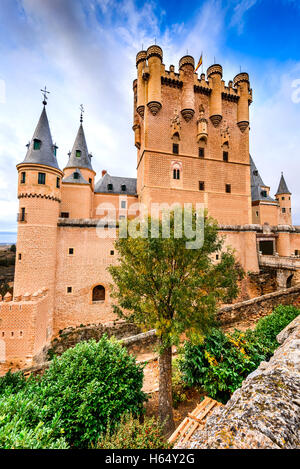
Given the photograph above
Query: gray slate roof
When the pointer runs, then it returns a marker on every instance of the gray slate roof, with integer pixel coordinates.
(282, 188)
(257, 184)
(45, 155)
(84, 161)
(117, 182)
(71, 179)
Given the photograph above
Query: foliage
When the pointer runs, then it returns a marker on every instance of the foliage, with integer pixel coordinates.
(12, 382)
(161, 284)
(223, 361)
(72, 402)
(13, 248)
(179, 388)
(269, 327)
(131, 434)
(89, 384)
(21, 424)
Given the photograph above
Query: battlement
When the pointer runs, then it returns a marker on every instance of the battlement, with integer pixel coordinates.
(25, 328)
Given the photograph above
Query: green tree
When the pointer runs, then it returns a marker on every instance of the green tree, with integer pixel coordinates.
(160, 284)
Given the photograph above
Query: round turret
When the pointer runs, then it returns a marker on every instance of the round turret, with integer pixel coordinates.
(154, 57)
(214, 74)
(187, 67)
(186, 60)
(141, 58)
(241, 82)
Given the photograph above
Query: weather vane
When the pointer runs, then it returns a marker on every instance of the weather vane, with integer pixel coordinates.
(82, 111)
(45, 95)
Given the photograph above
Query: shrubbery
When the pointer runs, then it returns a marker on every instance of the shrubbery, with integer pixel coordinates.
(71, 404)
(223, 361)
(131, 434)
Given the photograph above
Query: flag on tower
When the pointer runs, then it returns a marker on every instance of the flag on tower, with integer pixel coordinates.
(199, 63)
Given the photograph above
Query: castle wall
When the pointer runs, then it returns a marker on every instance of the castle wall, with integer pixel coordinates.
(77, 200)
(100, 200)
(268, 213)
(82, 271)
(24, 330)
(244, 245)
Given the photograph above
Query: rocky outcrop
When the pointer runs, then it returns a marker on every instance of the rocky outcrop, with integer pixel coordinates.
(265, 411)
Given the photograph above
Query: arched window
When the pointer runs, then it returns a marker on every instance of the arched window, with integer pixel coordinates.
(176, 173)
(99, 293)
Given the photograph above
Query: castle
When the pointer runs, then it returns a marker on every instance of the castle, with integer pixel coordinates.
(192, 140)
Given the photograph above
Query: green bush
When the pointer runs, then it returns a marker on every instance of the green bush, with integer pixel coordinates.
(131, 434)
(220, 364)
(269, 327)
(90, 384)
(223, 361)
(71, 404)
(179, 387)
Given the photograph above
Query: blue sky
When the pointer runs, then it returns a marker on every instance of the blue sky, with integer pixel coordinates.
(84, 51)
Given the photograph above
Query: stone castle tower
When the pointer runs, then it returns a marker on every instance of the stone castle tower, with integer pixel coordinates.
(192, 136)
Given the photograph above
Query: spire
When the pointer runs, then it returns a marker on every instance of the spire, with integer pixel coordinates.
(282, 188)
(257, 184)
(80, 157)
(41, 149)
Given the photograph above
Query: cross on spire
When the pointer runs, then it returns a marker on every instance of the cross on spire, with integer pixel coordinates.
(45, 91)
(81, 113)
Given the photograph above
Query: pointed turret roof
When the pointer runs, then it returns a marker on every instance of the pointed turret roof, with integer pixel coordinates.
(282, 188)
(84, 160)
(257, 185)
(45, 153)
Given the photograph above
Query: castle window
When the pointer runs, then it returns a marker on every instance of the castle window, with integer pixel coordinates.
(19, 256)
(23, 177)
(123, 203)
(228, 188)
(76, 175)
(57, 183)
(22, 216)
(64, 214)
(37, 144)
(201, 152)
(176, 173)
(257, 214)
(282, 198)
(112, 253)
(78, 153)
(90, 180)
(264, 193)
(175, 148)
(225, 156)
(98, 293)
(297, 252)
(71, 251)
(201, 185)
(255, 172)
(123, 187)
(217, 257)
(41, 178)
(12, 334)
(283, 210)
(69, 289)
(109, 187)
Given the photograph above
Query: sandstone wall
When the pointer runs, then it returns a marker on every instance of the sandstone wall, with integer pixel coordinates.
(264, 412)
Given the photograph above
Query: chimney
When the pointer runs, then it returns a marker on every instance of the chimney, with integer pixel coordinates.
(103, 172)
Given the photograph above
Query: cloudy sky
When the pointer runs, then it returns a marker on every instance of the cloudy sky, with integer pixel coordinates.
(84, 51)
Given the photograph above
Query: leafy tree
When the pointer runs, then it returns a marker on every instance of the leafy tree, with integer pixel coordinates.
(13, 248)
(159, 283)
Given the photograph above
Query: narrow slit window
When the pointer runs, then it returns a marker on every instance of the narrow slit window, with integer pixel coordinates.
(176, 173)
(228, 188)
(23, 177)
(201, 186)
(225, 156)
(175, 148)
(201, 152)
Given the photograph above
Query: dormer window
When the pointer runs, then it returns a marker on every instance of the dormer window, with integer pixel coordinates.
(123, 187)
(255, 172)
(109, 187)
(78, 153)
(37, 144)
(264, 193)
(76, 175)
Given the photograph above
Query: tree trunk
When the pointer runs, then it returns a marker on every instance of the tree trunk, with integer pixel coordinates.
(165, 406)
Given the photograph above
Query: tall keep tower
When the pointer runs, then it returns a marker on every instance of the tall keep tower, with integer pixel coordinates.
(283, 196)
(192, 137)
(39, 194)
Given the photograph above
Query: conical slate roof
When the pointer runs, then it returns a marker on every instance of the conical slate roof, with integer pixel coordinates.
(45, 154)
(282, 188)
(75, 178)
(257, 184)
(84, 160)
